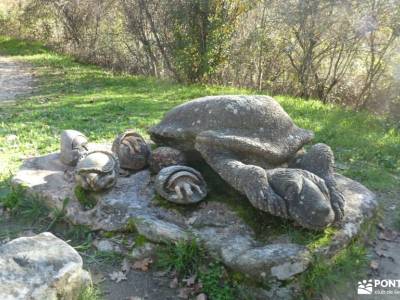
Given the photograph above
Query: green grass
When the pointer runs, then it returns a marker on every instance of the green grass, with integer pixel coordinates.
(90, 293)
(216, 283)
(188, 258)
(348, 266)
(85, 198)
(183, 257)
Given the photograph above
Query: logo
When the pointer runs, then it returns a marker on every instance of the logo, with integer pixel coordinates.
(379, 287)
(365, 287)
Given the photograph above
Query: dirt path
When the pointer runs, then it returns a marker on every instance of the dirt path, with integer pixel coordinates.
(16, 79)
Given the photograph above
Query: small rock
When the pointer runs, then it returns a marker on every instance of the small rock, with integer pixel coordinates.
(374, 264)
(40, 267)
(106, 245)
(163, 157)
(201, 296)
(140, 252)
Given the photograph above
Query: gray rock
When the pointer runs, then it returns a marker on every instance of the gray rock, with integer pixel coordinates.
(40, 267)
(275, 292)
(244, 138)
(107, 245)
(143, 251)
(163, 157)
(225, 235)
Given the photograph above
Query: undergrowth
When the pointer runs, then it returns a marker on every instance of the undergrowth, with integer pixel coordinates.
(345, 267)
(188, 258)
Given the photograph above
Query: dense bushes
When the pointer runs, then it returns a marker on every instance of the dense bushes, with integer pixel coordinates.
(344, 52)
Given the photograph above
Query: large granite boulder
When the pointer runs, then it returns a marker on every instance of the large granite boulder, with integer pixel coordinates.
(40, 267)
(132, 201)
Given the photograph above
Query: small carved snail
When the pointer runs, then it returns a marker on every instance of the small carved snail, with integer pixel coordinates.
(132, 151)
(181, 184)
(163, 157)
(98, 171)
(74, 146)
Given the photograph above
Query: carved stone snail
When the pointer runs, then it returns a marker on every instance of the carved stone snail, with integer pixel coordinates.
(163, 157)
(74, 146)
(181, 184)
(98, 171)
(132, 151)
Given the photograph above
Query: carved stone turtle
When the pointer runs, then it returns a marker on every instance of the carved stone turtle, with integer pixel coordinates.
(98, 171)
(74, 146)
(249, 141)
(181, 184)
(132, 151)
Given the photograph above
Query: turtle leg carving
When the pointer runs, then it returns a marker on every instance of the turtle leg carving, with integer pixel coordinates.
(289, 193)
(250, 180)
(320, 160)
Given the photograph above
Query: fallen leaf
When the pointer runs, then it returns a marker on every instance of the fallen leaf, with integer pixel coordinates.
(117, 276)
(174, 283)
(374, 264)
(143, 264)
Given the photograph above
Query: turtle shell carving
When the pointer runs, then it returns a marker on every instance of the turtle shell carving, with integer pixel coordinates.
(74, 146)
(181, 185)
(132, 151)
(98, 171)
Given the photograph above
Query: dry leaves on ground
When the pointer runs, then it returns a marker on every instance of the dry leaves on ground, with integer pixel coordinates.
(143, 264)
(117, 276)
